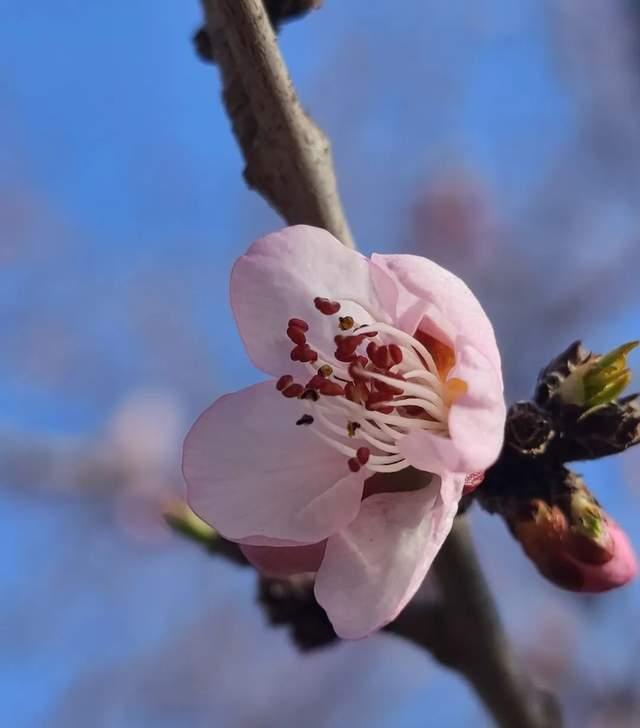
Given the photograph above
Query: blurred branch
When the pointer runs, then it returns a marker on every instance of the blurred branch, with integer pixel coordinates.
(466, 634)
(289, 163)
(288, 158)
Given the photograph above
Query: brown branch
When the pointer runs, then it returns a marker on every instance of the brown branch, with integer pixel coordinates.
(288, 159)
(289, 163)
(465, 633)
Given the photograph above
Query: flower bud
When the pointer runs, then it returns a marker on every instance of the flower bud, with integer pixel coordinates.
(585, 380)
(576, 546)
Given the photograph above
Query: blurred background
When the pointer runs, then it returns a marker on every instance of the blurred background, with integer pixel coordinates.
(500, 138)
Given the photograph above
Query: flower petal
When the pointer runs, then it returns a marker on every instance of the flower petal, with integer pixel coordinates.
(251, 472)
(280, 561)
(476, 421)
(373, 567)
(278, 279)
(454, 310)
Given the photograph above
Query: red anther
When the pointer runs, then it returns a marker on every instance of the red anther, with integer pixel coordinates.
(384, 360)
(349, 344)
(372, 349)
(413, 411)
(363, 453)
(325, 306)
(296, 335)
(378, 402)
(371, 334)
(316, 382)
(346, 358)
(353, 464)
(303, 353)
(330, 389)
(387, 389)
(284, 381)
(293, 390)
(356, 392)
(395, 352)
(308, 354)
(356, 364)
(339, 338)
(299, 324)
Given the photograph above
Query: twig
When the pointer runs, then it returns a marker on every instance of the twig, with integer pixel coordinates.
(288, 162)
(288, 159)
(465, 633)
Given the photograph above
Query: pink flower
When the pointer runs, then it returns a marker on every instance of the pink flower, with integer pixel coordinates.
(379, 364)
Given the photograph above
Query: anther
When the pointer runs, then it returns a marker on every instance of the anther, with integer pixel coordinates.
(293, 390)
(353, 464)
(357, 392)
(316, 381)
(330, 389)
(349, 344)
(307, 420)
(363, 453)
(345, 323)
(296, 335)
(303, 353)
(352, 428)
(325, 371)
(299, 324)
(378, 402)
(284, 381)
(325, 306)
(395, 352)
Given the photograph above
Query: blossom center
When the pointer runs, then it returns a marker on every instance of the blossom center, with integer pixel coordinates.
(375, 386)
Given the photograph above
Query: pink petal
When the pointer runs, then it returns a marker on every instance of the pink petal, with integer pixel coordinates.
(280, 561)
(453, 311)
(251, 472)
(476, 421)
(373, 567)
(614, 573)
(278, 279)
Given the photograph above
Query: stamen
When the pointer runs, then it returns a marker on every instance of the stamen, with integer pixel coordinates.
(376, 400)
(293, 390)
(363, 454)
(410, 340)
(296, 335)
(298, 324)
(325, 306)
(284, 381)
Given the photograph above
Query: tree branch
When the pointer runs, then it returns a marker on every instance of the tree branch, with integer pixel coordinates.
(289, 163)
(288, 159)
(466, 634)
